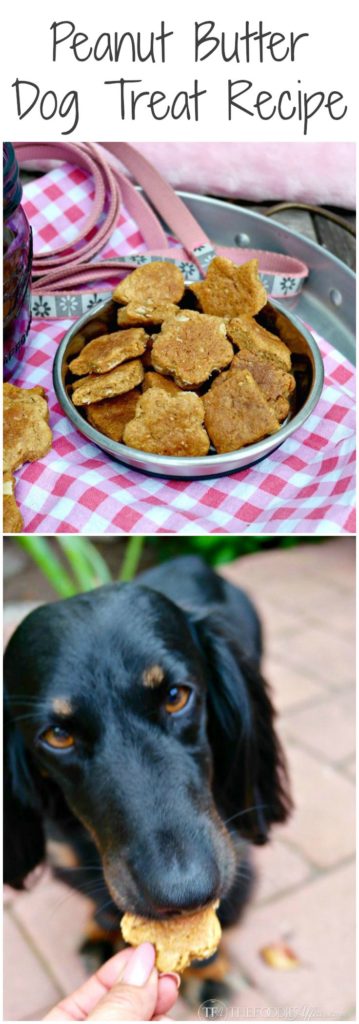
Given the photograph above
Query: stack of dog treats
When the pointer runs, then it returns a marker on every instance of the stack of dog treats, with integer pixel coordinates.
(27, 437)
(189, 369)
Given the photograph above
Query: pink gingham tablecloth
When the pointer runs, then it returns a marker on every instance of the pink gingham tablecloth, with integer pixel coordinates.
(306, 486)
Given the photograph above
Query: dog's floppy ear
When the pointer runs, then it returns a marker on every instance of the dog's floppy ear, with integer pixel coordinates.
(24, 842)
(250, 777)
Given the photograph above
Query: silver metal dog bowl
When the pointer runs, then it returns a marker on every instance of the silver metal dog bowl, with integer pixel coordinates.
(307, 368)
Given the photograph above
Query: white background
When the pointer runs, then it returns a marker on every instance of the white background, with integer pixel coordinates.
(326, 61)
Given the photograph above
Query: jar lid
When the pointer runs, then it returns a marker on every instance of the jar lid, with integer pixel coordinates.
(12, 189)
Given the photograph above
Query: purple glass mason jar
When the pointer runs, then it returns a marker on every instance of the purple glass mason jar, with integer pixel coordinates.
(17, 258)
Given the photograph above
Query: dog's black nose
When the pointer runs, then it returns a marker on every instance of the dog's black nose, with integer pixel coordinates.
(182, 895)
(180, 882)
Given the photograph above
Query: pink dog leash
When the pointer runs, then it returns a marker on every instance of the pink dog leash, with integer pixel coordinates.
(65, 267)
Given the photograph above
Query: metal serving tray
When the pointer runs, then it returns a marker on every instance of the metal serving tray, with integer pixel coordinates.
(327, 303)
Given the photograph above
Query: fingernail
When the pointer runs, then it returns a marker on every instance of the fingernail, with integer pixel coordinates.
(175, 977)
(139, 967)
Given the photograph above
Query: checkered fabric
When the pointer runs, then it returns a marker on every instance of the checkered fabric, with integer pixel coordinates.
(57, 205)
(306, 486)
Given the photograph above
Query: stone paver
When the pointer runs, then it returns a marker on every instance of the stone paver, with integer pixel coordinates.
(27, 983)
(322, 826)
(349, 767)
(305, 890)
(322, 939)
(279, 867)
(55, 917)
(296, 581)
(182, 1011)
(291, 686)
(335, 738)
(334, 661)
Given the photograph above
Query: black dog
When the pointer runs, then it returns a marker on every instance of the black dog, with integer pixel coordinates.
(140, 731)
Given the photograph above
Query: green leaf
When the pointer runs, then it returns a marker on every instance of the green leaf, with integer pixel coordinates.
(77, 559)
(131, 558)
(96, 561)
(41, 552)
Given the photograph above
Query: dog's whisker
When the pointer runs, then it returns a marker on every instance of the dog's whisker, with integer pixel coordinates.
(104, 906)
(60, 903)
(243, 869)
(24, 697)
(87, 867)
(12, 697)
(248, 810)
(26, 718)
(71, 894)
(91, 888)
(243, 874)
(95, 883)
(38, 704)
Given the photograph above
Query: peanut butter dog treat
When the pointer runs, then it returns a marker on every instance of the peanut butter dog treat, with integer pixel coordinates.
(156, 380)
(229, 290)
(286, 331)
(27, 435)
(246, 333)
(94, 328)
(107, 385)
(190, 347)
(177, 940)
(236, 412)
(12, 518)
(158, 281)
(108, 351)
(168, 424)
(275, 383)
(111, 415)
(146, 312)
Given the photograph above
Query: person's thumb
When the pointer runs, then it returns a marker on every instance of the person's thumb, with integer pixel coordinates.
(134, 996)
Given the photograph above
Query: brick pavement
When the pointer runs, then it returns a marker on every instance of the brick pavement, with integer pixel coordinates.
(305, 892)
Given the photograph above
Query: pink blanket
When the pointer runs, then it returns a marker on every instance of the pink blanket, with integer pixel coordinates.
(314, 172)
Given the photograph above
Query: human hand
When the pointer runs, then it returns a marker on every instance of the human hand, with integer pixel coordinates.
(127, 987)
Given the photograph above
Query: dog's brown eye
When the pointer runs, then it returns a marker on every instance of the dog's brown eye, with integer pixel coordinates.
(58, 738)
(176, 698)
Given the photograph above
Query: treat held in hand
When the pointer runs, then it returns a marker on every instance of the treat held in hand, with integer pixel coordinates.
(177, 940)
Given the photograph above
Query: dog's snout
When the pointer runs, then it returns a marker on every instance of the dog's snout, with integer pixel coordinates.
(180, 879)
(178, 892)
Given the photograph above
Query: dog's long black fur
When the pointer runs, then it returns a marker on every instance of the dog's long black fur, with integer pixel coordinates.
(159, 809)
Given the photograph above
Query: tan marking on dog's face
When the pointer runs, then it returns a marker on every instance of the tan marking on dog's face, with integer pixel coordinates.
(61, 706)
(61, 855)
(153, 676)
